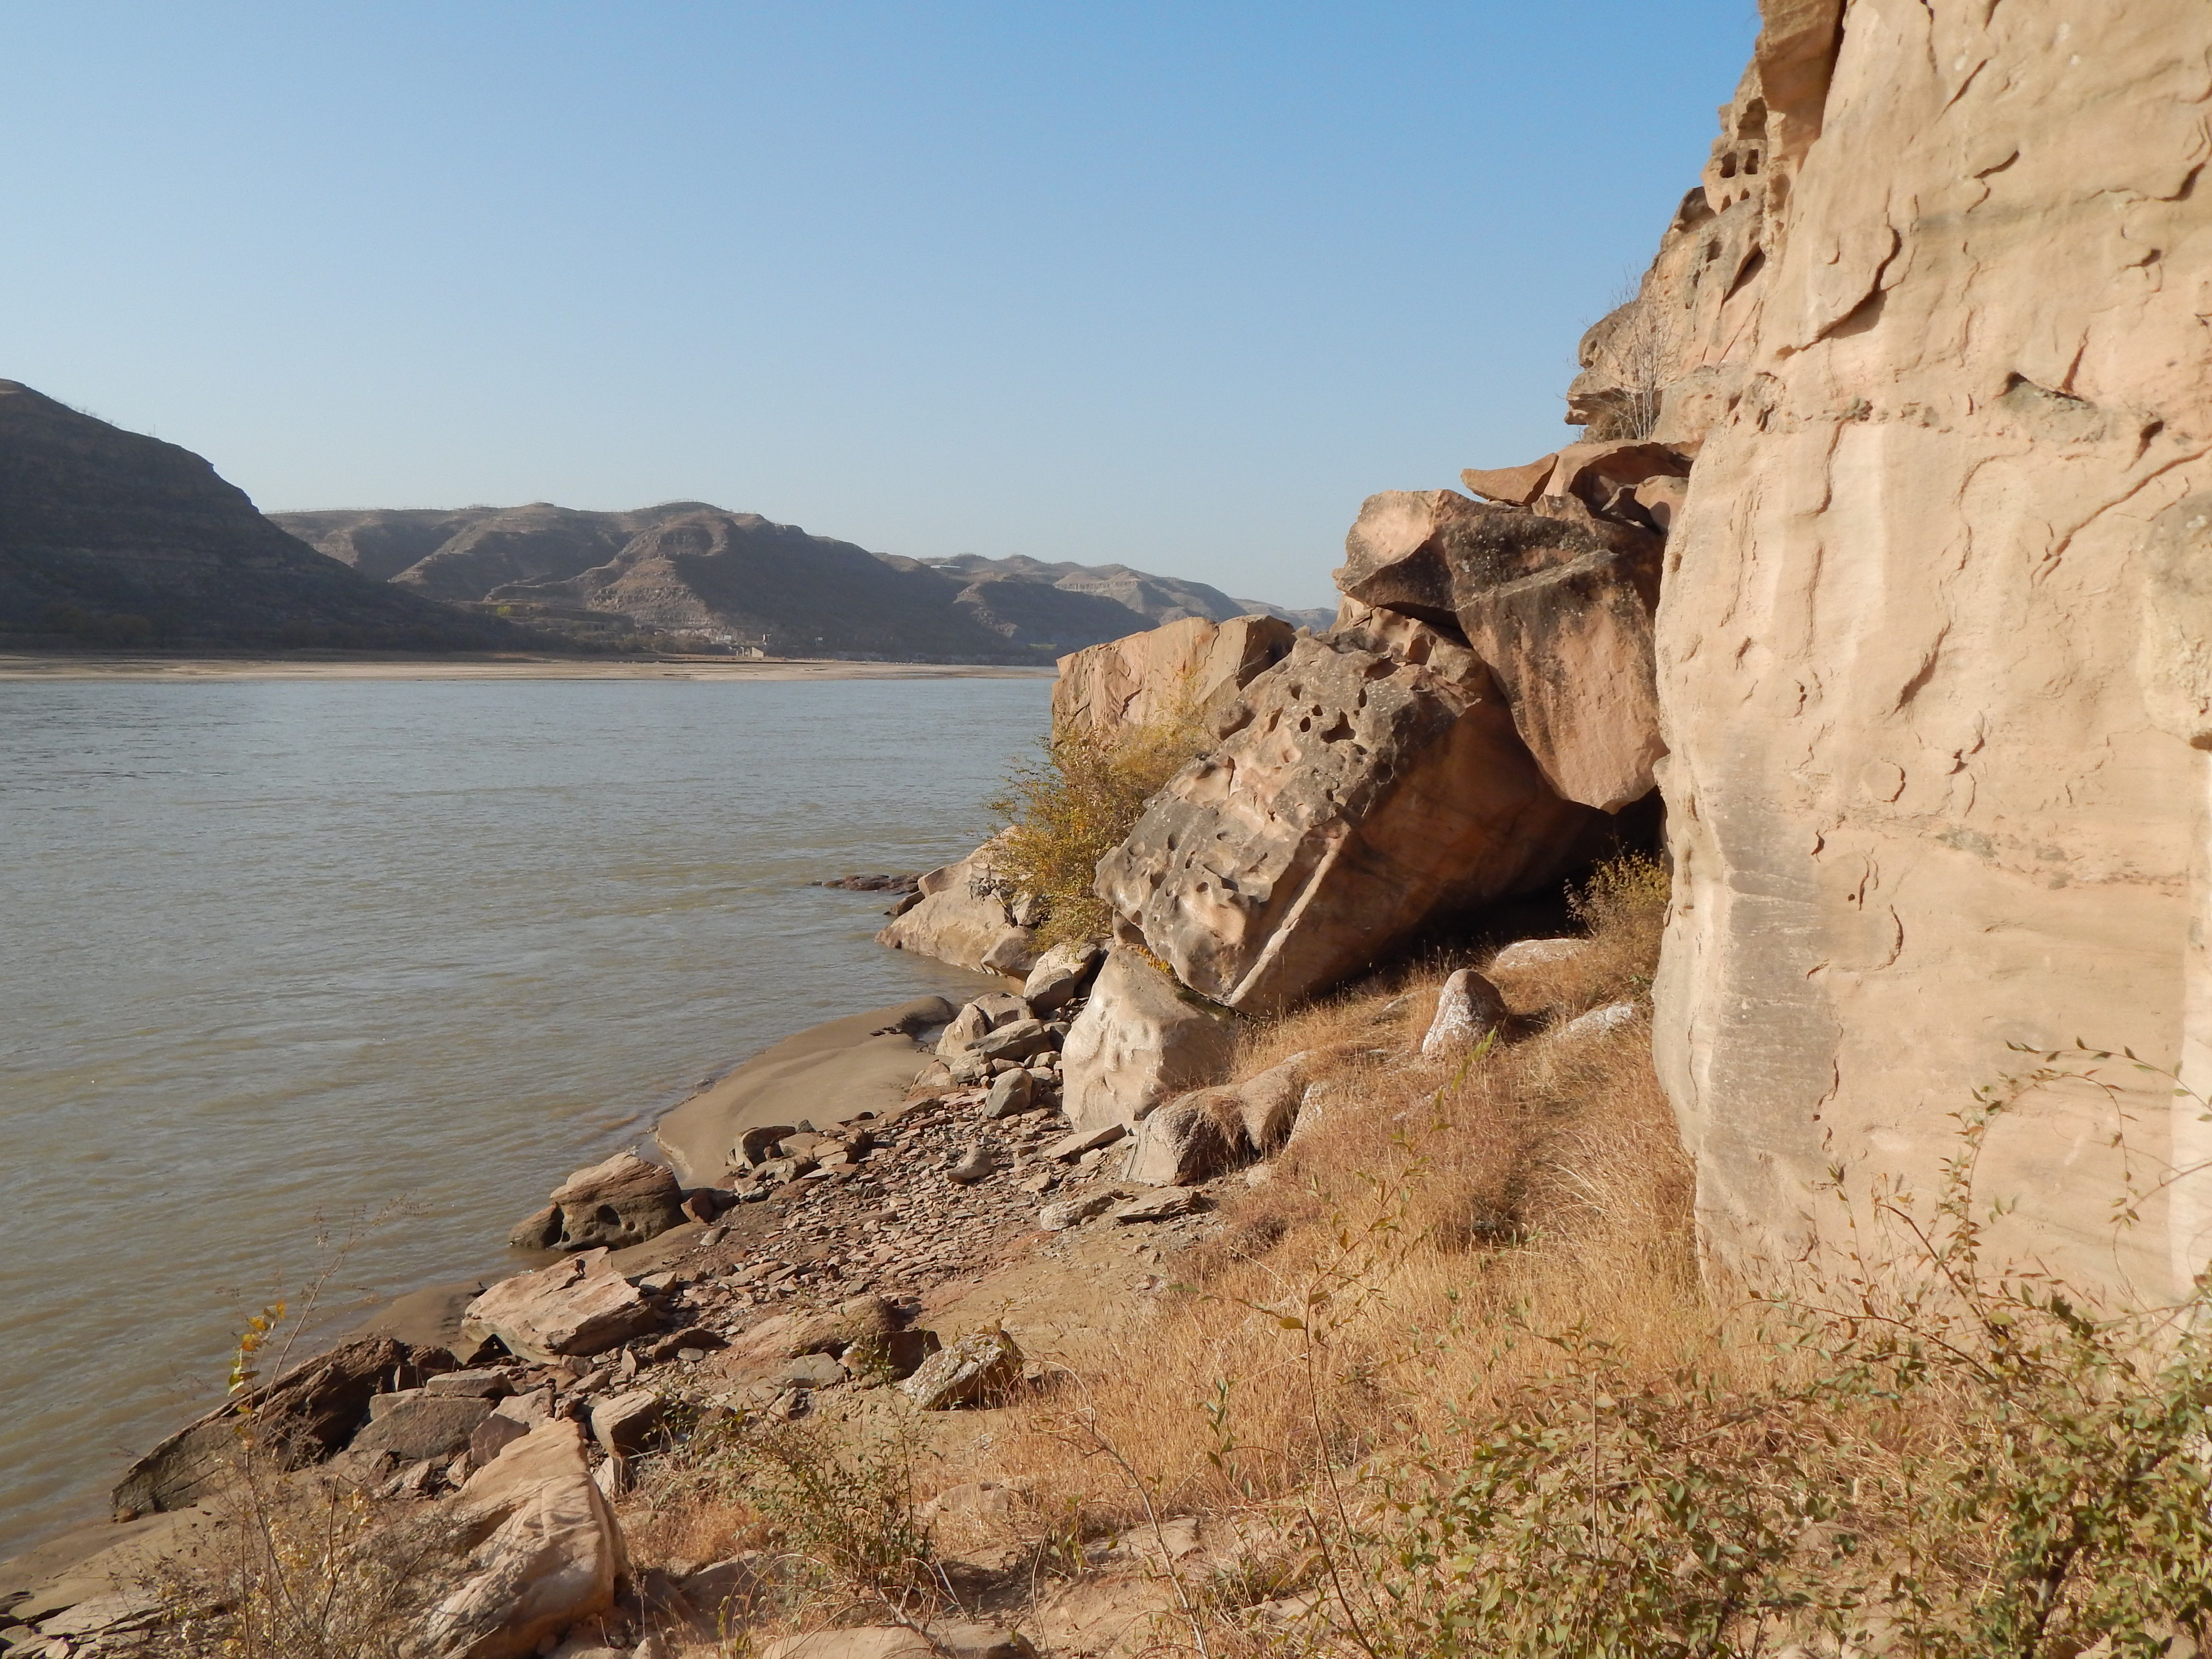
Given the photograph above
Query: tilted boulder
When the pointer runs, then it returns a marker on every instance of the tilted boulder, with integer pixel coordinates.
(1364, 798)
(1555, 599)
(303, 1416)
(624, 1201)
(965, 914)
(1193, 668)
(1137, 1042)
(978, 1370)
(543, 1550)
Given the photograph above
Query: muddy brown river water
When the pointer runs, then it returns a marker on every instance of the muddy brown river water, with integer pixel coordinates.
(275, 954)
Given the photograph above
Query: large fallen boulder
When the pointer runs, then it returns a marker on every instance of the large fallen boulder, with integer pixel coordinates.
(1190, 669)
(1555, 599)
(1364, 799)
(1139, 1041)
(966, 914)
(543, 1550)
(575, 1307)
(301, 1418)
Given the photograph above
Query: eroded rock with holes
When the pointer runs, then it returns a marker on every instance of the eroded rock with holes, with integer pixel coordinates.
(1364, 798)
(621, 1201)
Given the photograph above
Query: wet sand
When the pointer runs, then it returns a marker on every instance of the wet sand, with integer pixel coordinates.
(27, 666)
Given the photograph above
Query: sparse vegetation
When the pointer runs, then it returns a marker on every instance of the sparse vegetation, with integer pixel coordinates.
(1078, 802)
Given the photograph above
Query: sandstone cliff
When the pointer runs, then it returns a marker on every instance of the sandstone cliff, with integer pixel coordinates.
(113, 537)
(1931, 656)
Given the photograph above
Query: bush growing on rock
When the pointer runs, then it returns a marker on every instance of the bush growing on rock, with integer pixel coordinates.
(1076, 803)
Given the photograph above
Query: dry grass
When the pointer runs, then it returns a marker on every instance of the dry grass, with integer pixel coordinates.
(1437, 1210)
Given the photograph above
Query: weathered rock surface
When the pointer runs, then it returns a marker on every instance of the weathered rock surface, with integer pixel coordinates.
(543, 1550)
(1468, 1009)
(421, 1426)
(1184, 1142)
(1555, 601)
(1061, 974)
(1928, 659)
(621, 1201)
(1137, 1042)
(574, 1307)
(1364, 798)
(977, 1369)
(1193, 668)
(965, 917)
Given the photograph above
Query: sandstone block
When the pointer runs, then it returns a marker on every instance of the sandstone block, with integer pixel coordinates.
(1165, 1204)
(1557, 601)
(566, 1309)
(424, 1426)
(1010, 1095)
(1185, 1141)
(1137, 1042)
(1193, 666)
(301, 1418)
(1365, 797)
(964, 916)
(623, 1422)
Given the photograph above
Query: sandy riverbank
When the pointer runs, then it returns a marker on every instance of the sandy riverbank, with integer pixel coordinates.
(27, 666)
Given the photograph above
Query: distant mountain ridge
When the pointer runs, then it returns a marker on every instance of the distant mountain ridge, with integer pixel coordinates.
(737, 580)
(112, 538)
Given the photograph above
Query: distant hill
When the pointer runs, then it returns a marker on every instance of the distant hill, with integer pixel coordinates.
(694, 573)
(112, 538)
(1161, 599)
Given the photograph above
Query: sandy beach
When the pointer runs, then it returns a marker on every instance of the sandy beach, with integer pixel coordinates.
(26, 666)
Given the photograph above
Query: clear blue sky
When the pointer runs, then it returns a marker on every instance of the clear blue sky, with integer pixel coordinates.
(1174, 284)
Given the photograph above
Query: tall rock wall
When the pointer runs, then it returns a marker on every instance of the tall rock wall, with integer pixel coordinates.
(1932, 643)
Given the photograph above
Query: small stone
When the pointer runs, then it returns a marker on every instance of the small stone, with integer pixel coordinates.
(1164, 1204)
(971, 1371)
(757, 1146)
(1597, 1022)
(975, 1164)
(1468, 1009)
(1043, 1181)
(1069, 1147)
(1074, 1212)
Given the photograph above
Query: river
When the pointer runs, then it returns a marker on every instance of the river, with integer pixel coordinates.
(276, 955)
